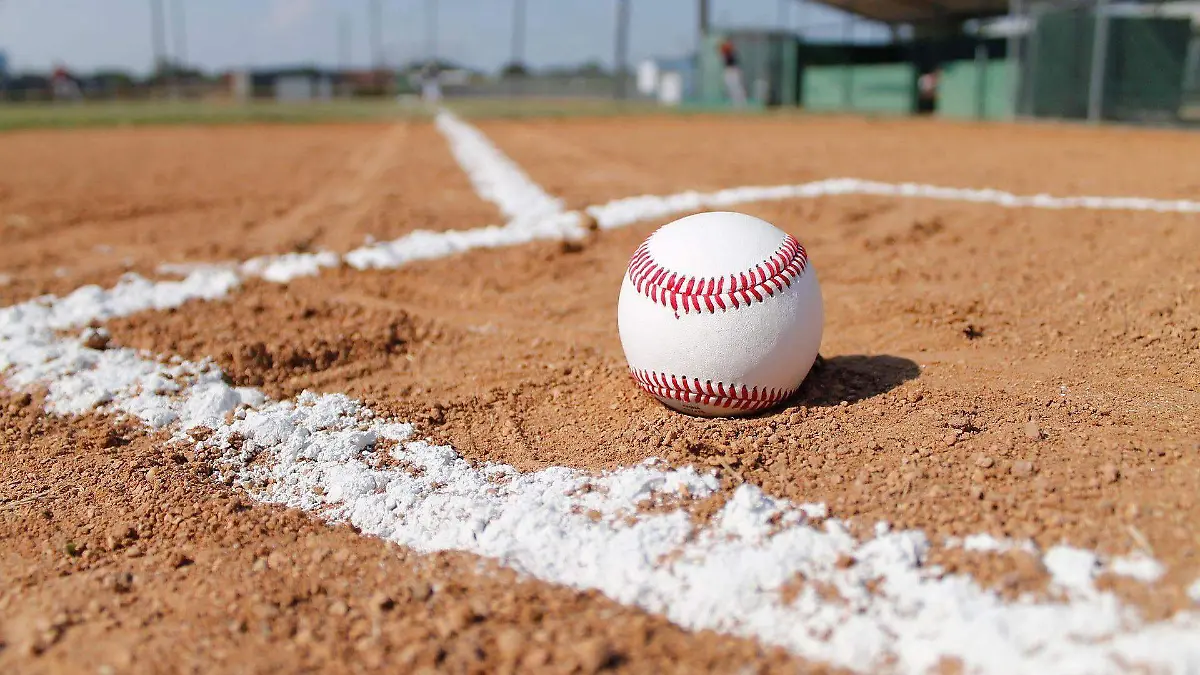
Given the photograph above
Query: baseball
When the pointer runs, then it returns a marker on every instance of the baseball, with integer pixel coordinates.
(720, 314)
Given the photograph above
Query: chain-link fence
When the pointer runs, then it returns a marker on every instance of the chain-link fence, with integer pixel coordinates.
(1133, 63)
(1094, 60)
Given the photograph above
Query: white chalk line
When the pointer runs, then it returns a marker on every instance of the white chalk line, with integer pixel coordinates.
(535, 215)
(493, 174)
(531, 523)
(426, 244)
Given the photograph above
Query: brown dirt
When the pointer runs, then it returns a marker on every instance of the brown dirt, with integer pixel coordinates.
(121, 555)
(979, 394)
(1022, 373)
(591, 161)
(86, 206)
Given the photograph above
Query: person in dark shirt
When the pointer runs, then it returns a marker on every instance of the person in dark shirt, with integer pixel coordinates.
(927, 92)
(733, 74)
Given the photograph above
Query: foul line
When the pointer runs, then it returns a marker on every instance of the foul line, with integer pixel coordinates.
(427, 244)
(496, 177)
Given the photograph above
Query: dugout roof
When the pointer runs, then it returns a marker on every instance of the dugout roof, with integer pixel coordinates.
(920, 11)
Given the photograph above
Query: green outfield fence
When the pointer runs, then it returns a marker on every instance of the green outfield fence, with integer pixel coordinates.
(1134, 69)
(1099, 61)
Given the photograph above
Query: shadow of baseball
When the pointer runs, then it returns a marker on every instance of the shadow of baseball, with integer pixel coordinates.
(852, 378)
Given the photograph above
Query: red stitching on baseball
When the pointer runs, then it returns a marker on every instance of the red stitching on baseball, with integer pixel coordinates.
(708, 294)
(694, 391)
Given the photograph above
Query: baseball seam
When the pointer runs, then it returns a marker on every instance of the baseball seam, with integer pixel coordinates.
(717, 394)
(686, 293)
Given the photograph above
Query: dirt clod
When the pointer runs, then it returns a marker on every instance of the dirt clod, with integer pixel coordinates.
(1110, 473)
(1032, 430)
(1021, 468)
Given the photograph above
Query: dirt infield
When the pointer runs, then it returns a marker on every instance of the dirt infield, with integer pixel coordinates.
(586, 162)
(1028, 374)
(86, 206)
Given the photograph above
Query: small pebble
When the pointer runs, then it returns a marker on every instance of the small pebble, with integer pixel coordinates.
(984, 462)
(1032, 430)
(1022, 468)
(420, 591)
(510, 643)
(592, 655)
(97, 339)
(382, 602)
(122, 582)
(1110, 473)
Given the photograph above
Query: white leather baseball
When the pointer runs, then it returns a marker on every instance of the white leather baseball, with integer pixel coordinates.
(720, 314)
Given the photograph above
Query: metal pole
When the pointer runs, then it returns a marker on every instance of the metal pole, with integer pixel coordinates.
(621, 48)
(179, 24)
(1099, 63)
(981, 68)
(375, 25)
(518, 32)
(1016, 11)
(703, 27)
(431, 29)
(1030, 69)
(157, 36)
(981, 64)
(848, 68)
(343, 42)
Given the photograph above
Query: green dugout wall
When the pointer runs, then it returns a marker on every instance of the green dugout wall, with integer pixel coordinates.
(977, 90)
(880, 89)
(1150, 61)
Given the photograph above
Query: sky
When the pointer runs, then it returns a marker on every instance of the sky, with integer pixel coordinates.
(223, 34)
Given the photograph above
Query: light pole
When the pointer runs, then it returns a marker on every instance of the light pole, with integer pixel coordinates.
(518, 32)
(375, 24)
(343, 42)
(431, 29)
(1095, 102)
(157, 37)
(179, 24)
(621, 48)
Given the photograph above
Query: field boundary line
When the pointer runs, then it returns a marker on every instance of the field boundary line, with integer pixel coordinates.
(494, 175)
(430, 244)
(427, 244)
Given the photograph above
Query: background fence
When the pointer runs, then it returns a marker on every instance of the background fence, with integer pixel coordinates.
(1126, 63)
(1129, 62)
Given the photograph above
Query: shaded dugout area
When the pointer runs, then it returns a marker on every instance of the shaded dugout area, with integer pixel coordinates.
(1120, 62)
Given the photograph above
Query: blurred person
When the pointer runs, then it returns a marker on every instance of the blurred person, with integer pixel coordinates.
(431, 86)
(927, 91)
(733, 74)
(62, 85)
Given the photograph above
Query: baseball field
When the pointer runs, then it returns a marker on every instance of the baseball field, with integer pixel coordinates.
(349, 397)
